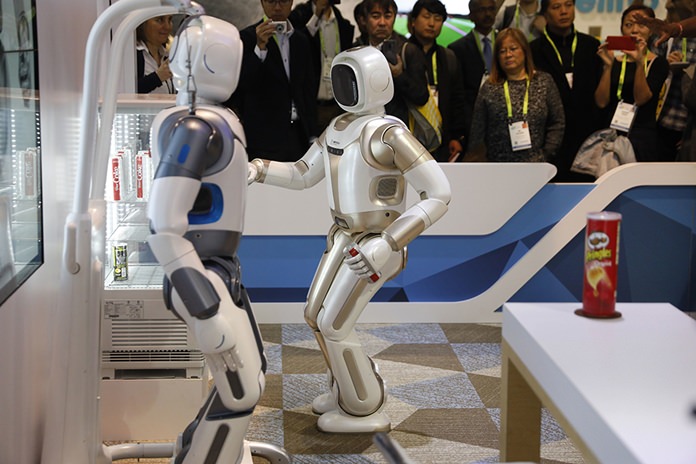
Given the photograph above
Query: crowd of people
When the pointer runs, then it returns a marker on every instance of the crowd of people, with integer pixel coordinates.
(523, 85)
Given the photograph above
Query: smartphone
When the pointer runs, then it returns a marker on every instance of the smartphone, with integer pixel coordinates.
(389, 50)
(621, 42)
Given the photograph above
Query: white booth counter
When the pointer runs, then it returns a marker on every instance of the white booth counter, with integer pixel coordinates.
(509, 235)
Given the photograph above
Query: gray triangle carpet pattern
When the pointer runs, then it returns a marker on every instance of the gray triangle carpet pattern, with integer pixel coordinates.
(443, 384)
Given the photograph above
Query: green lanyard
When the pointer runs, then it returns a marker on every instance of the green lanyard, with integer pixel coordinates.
(477, 36)
(683, 48)
(508, 102)
(434, 63)
(572, 49)
(323, 45)
(517, 21)
(619, 90)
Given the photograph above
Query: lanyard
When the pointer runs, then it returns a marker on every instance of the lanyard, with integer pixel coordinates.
(508, 102)
(479, 45)
(619, 90)
(530, 36)
(434, 64)
(323, 45)
(572, 48)
(683, 48)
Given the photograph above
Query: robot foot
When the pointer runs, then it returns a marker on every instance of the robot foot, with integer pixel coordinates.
(339, 422)
(324, 403)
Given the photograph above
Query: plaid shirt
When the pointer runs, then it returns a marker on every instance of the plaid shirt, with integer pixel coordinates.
(674, 114)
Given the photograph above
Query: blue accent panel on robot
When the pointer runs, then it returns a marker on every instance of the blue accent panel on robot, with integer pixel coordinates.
(183, 154)
(456, 268)
(208, 207)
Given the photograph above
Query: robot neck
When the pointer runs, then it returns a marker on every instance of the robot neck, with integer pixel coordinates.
(182, 99)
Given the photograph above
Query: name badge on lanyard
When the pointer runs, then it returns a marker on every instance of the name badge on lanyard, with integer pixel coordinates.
(520, 137)
(625, 112)
(623, 116)
(569, 78)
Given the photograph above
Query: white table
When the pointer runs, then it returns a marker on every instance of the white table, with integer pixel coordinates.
(622, 389)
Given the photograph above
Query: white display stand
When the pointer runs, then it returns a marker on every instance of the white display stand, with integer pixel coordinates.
(623, 389)
(149, 409)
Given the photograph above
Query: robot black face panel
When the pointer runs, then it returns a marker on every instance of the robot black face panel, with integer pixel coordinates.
(345, 85)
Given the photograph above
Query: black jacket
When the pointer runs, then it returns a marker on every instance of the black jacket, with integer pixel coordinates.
(473, 69)
(451, 96)
(583, 117)
(264, 96)
(300, 16)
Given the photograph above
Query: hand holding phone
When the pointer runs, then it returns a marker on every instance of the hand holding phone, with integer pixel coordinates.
(621, 42)
(389, 51)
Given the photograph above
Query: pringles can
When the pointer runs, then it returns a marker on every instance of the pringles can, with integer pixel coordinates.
(600, 265)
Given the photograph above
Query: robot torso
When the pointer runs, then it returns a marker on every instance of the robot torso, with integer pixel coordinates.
(202, 166)
(366, 190)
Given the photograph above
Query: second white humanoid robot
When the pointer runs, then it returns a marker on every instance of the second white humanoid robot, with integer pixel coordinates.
(368, 159)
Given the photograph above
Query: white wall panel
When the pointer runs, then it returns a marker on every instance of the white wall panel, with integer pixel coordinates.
(26, 318)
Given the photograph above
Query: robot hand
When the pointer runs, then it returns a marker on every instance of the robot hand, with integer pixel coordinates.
(253, 173)
(368, 260)
(216, 338)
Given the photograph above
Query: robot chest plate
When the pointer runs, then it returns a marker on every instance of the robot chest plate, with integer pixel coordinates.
(355, 185)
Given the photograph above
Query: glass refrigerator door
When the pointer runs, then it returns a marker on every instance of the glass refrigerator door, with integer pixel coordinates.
(139, 335)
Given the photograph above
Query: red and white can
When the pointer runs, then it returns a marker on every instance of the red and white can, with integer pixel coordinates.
(116, 177)
(601, 265)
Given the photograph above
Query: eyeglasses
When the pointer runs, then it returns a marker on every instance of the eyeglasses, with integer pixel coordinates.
(277, 2)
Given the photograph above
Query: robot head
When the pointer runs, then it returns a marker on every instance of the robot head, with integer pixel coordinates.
(210, 51)
(361, 80)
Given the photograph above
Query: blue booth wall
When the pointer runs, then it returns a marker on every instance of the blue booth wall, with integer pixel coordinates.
(657, 254)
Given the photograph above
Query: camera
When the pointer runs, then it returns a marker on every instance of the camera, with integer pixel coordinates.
(280, 27)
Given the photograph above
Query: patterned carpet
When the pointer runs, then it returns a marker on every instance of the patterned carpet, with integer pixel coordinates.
(443, 383)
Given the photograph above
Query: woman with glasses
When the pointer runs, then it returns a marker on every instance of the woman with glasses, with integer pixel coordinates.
(518, 115)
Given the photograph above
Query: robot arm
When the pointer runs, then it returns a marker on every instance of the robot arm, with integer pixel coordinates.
(424, 174)
(300, 175)
(192, 145)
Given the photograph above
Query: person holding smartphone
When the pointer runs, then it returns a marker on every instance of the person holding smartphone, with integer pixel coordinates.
(152, 38)
(277, 93)
(406, 61)
(631, 83)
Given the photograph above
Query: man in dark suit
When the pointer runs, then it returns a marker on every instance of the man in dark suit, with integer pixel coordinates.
(277, 93)
(571, 59)
(475, 53)
(330, 34)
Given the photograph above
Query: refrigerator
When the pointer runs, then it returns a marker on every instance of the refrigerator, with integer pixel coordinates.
(153, 377)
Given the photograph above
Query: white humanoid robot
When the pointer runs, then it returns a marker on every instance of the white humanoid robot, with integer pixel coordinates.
(368, 159)
(196, 214)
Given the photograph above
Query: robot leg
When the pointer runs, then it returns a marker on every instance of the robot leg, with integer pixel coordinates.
(329, 265)
(358, 388)
(217, 433)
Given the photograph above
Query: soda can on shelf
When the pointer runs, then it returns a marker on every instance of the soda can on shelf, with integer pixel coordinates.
(120, 261)
(116, 178)
(601, 264)
(143, 174)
